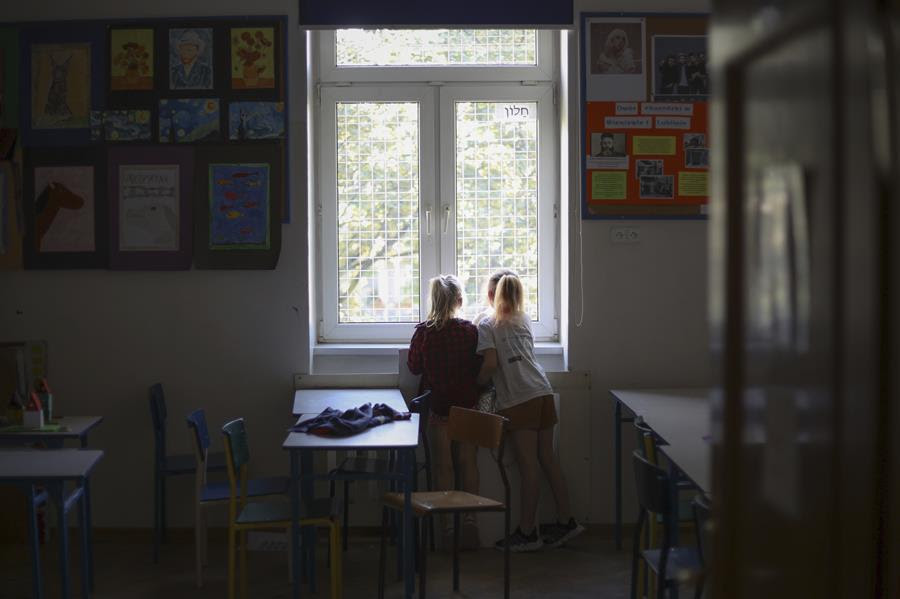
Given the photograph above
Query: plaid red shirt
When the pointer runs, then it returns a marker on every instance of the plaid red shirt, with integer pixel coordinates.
(447, 361)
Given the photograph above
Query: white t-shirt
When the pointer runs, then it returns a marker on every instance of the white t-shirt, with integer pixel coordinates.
(518, 377)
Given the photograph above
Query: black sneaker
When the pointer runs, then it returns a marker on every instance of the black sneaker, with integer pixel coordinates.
(557, 534)
(519, 542)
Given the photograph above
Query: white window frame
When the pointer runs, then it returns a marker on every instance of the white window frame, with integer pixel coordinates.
(546, 326)
(331, 329)
(433, 88)
(542, 71)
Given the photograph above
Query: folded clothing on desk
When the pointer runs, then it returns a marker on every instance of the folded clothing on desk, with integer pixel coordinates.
(335, 423)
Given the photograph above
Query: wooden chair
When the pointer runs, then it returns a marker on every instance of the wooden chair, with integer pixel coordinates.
(361, 467)
(206, 493)
(670, 565)
(467, 426)
(165, 465)
(244, 515)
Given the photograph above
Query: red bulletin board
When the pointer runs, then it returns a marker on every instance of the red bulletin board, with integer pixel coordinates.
(644, 127)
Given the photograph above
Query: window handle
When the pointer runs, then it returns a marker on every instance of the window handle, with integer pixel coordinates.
(446, 218)
(428, 222)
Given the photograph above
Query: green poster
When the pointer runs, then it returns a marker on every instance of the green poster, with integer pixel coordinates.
(608, 185)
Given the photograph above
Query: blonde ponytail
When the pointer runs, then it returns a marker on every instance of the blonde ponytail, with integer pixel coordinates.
(509, 297)
(446, 296)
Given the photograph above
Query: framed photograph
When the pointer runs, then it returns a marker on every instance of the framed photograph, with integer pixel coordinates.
(65, 208)
(657, 187)
(615, 56)
(238, 197)
(150, 214)
(680, 71)
(131, 59)
(188, 120)
(63, 77)
(647, 168)
(694, 140)
(255, 120)
(191, 58)
(606, 144)
(696, 158)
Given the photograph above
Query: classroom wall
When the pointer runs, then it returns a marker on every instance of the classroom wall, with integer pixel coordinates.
(231, 340)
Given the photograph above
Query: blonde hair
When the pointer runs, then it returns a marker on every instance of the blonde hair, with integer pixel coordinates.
(446, 296)
(509, 295)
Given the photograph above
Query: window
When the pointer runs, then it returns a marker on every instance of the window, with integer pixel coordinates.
(436, 154)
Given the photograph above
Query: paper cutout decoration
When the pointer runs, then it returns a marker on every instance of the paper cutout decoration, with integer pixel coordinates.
(131, 59)
(60, 86)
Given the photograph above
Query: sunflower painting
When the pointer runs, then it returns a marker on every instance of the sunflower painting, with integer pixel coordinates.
(131, 59)
(252, 58)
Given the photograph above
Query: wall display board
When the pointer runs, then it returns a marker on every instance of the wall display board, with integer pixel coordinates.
(644, 87)
(109, 115)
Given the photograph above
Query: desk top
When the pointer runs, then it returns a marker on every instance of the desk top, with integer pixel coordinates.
(681, 417)
(313, 401)
(393, 435)
(74, 428)
(47, 464)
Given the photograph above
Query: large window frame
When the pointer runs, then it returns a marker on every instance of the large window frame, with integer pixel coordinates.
(436, 90)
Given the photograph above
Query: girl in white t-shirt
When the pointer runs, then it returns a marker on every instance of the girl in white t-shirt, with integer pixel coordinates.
(525, 397)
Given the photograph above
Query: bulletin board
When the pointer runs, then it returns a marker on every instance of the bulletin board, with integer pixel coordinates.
(644, 91)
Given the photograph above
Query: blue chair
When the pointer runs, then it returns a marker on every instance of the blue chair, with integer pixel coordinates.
(206, 493)
(165, 465)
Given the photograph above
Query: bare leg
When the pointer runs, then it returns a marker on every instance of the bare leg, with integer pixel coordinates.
(553, 471)
(525, 443)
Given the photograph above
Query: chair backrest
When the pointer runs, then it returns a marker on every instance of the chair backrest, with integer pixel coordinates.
(196, 422)
(473, 426)
(703, 524)
(652, 482)
(236, 448)
(158, 407)
(407, 382)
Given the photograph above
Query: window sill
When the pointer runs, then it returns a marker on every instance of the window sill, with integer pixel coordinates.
(363, 358)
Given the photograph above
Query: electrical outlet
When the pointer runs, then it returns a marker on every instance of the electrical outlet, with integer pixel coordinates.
(625, 235)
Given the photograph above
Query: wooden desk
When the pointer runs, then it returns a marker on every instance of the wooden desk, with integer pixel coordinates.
(75, 427)
(402, 436)
(26, 468)
(313, 401)
(681, 417)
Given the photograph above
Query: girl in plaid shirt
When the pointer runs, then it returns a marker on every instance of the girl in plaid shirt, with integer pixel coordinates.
(442, 350)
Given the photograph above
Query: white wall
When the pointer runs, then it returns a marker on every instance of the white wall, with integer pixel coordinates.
(229, 341)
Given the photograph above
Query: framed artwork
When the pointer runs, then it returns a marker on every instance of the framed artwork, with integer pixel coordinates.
(255, 120)
(10, 220)
(63, 73)
(238, 196)
(60, 86)
(191, 64)
(9, 78)
(131, 59)
(186, 120)
(121, 125)
(253, 54)
(65, 209)
(150, 217)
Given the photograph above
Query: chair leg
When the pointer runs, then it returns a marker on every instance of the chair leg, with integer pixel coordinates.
(636, 554)
(506, 551)
(290, 555)
(156, 522)
(336, 581)
(204, 521)
(346, 522)
(382, 558)
(243, 543)
(162, 509)
(198, 544)
(455, 551)
(423, 563)
(232, 550)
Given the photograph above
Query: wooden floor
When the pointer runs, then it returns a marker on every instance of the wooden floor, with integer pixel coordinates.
(588, 567)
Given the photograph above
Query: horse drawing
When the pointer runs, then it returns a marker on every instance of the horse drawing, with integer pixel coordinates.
(54, 198)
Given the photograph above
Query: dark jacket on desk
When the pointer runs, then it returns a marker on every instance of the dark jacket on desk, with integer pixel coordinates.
(335, 423)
